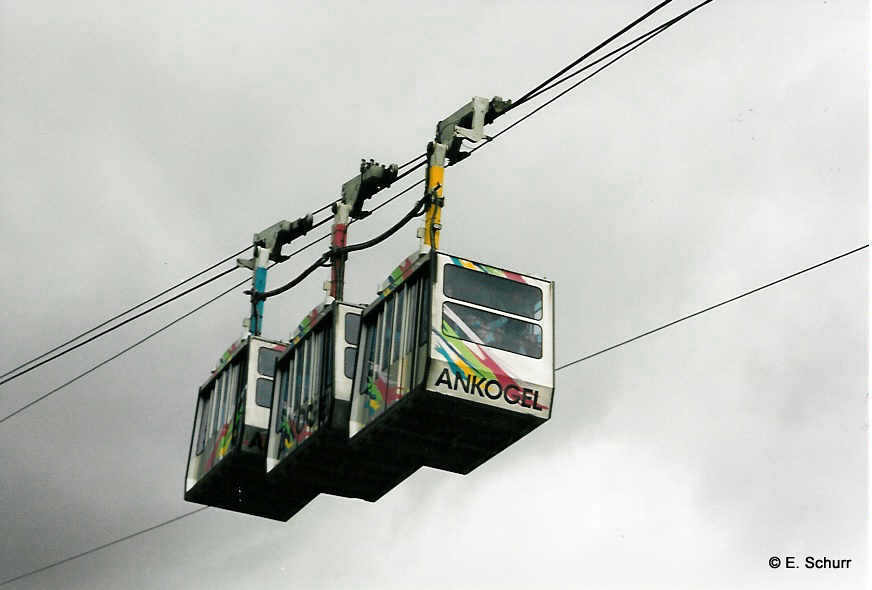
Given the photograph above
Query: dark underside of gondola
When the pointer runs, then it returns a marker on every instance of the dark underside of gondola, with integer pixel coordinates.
(327, 462)
(238, 483)
(445, 432)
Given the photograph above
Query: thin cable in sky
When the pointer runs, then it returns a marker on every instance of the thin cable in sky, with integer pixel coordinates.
(116, 326)
(125, 312)
(641, 38)
(711, 307)
(121, 352)
(410, 170)
(529, 94)
(104, 546)
(565, 365)
(413, 160)
(633, 45)
(397, 196)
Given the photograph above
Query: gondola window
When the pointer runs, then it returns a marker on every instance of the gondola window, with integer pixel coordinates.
(266, 361)
(368, 356)
(352, 328)
(201, 431)
(298, 382)
(492, 291)
(284, 380)
(263, 392)
(386, 339)
(491, 329)
(350, 357)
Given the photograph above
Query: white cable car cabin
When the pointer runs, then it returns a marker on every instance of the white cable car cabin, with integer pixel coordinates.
(228, 443)
(456, 361)
(308, 436)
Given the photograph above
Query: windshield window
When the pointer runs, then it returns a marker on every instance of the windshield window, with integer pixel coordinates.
(352, 328)
(263, 392)
(493, 291)
(266, 361)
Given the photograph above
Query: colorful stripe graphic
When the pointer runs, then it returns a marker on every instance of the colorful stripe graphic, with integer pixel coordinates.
(288, 438)
(221, 446)
(308, 322)
(225, 358)
(401, 273)
(462, 359)
(506, 274)
(291, 437)
(375, 387)
(224, 440)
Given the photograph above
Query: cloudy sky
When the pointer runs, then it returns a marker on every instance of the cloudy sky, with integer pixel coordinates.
(141, 144)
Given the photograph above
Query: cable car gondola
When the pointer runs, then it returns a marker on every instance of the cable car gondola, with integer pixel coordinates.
(457, 357)
(227, 453)
(456, 361)
(308, 440)
(228, 443)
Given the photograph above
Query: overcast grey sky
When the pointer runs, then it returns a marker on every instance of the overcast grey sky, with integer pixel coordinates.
(139, 144)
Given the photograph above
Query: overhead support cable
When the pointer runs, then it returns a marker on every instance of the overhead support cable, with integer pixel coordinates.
(395, 197)
(410, 170)
(125, 312)
(529, 94)
(711, 307)
(104, 546)
(412, 161)
(121, 352)
(641, 38)
(629, 48)
(322, 222)
(119, 325)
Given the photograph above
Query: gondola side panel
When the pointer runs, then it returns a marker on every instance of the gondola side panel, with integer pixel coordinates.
(301, 379)
(388, 340)
(219, 414)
